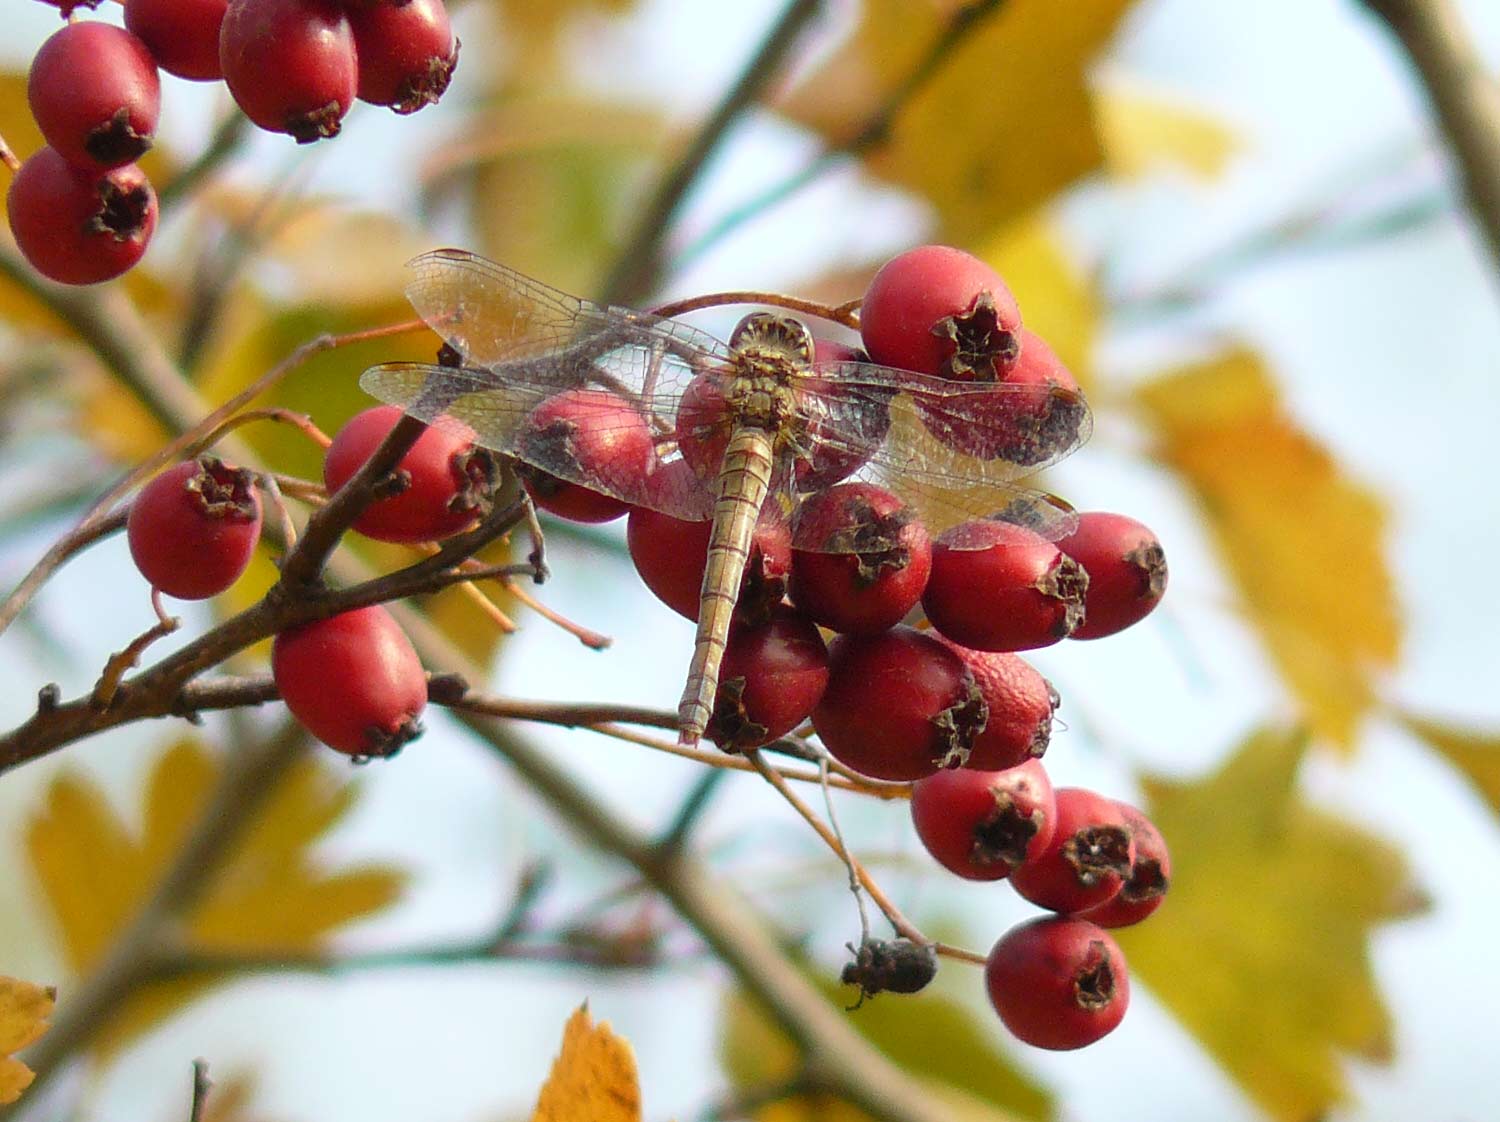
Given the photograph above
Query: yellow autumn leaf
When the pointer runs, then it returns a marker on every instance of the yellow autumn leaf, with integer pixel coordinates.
(1303, 542)
(24, 1009)
(1474, 752)
(1003, 125)
(1144, 131)
(1262, 947)
(593, 1078)
(271, 894)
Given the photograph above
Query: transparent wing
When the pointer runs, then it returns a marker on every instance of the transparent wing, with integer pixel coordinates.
(951, 450)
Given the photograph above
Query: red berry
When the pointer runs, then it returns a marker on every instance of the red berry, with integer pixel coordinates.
(95, 94)
(941, 311)
(407, 52)
(580, 437)
(899, 705)
(290, 64)
(982, 824)
(670, 555)
(353, 681)
(704, 425)
(861, 558)
(1150, 874)
(1127, 571)
(1058, 983)
(769, 681)
(1088, 859)
(183, 35)
(997, 586)
(450, 479)
(1021, 703)
(76, 226)
(193, 529)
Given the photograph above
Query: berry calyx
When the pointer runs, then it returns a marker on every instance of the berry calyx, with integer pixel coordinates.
(998, 586)
(899, 705)
(352, 680)
(1127, 571)
(860, 560)
(77, 226)
(983, 825)
(192, 530)
(1021, 704)
(580, 450)
(182, 35)
(1091, 853)
(1058, 983)
(95, 94)
(449, 480)
(940, 311)
(290, 64)
(407, 53)
(770, 679)
(1150, 874)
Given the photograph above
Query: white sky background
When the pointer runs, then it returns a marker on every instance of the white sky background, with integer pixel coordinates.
(1388, 351)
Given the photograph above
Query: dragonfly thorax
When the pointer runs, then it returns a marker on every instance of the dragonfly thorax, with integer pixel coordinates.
(770, 351)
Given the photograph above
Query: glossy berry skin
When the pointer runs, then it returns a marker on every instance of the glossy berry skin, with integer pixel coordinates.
(450, 480)
(941, 311)
(1058, 983)
(1127, 571)
(861, 558)
(353, 681)
(192, 530)
(1150, 875)
(1021, 704)
(996, 586)
(899, 705)
(983, 824)
(771, 677)
(599, 436)
(182, 35)
(1086, 863)
(670, 555)
(407, 52)
(77, 226)
(290, 64)
(95, 94)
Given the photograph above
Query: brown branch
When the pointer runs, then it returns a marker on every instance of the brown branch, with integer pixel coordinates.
(201, 1087)
(1464, 94)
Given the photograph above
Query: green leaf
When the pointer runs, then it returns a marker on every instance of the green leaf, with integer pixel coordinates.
(1262, 946)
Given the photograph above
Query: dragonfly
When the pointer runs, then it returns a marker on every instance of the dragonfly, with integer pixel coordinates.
(779, 427)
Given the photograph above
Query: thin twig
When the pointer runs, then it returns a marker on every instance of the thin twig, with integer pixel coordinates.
(201, 1086)
(841, 314)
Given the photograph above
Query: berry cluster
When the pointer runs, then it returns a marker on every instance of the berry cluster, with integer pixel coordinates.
(80, 208)
(953, 708)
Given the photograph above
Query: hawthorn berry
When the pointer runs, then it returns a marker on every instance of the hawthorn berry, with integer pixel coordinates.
(77, 226)
(1058, 983)
(703, 425)
(182, 35)
(449, 479)
(1091, 853)
(193, 529)
(983, 824)
(1150, 874)
(670, 554)
(860, 558)
(771, 677)
(407, 52)
(1021, 704)
(581, 435)
(940, 311)
(95, 94)
(290, 64)
(1127, 571)
(846, 420)
(899, 705)
(352, 680)
(999, 586)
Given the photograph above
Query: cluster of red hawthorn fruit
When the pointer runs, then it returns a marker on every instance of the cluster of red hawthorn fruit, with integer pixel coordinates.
(81, 209)
(952, 709)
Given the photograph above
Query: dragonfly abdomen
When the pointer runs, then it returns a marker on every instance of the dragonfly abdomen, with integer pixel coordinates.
(744, 481)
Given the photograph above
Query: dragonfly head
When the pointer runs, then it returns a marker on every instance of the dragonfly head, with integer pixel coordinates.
(773, 338)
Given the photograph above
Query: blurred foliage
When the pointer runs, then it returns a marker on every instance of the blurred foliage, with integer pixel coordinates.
(24, 1009)
(1474, 753)
(1261, 948)
(593, 1078)
(272, 894)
